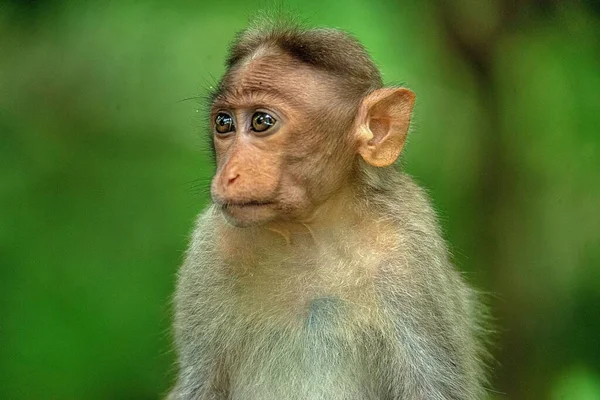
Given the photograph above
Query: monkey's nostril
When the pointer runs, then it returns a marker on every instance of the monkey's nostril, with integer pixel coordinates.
(232, 179)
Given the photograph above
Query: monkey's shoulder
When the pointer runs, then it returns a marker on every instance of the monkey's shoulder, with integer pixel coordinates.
(406, 198)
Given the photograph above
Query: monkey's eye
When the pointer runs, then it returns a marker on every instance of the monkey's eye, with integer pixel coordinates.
(262, 121)
(224, 123)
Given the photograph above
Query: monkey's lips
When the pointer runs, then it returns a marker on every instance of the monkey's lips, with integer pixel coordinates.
(249, 212)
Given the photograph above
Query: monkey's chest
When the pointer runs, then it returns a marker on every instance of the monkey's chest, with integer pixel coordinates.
(316, 289)
(302, 333)
(323, 357)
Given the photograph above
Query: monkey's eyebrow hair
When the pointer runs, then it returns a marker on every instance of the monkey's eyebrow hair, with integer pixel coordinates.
(247, 96)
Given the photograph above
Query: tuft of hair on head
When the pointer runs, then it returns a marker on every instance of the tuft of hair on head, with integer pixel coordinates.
(331, 50)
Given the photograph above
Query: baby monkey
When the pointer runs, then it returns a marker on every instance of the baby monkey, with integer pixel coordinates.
(319, 270)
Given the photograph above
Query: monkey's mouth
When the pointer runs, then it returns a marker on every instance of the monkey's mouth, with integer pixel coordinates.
(248, 213)
(252, 203)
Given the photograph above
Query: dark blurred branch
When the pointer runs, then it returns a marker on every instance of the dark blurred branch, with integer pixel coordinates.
(475, 40)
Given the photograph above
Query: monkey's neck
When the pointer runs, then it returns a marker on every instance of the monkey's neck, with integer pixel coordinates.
(337, 208)
(340, 213)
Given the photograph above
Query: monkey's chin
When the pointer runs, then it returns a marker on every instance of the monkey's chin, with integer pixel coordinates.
(244, 216)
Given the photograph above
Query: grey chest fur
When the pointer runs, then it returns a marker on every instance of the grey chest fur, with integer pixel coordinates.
(318, 359)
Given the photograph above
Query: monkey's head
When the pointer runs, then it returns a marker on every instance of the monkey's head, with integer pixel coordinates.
(291, 119)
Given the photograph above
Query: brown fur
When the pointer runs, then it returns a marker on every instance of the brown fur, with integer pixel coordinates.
(338, 285)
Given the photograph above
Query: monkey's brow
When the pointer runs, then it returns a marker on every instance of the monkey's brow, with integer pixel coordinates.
(238, 97)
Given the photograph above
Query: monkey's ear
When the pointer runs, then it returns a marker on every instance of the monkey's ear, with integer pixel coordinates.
(383, 120)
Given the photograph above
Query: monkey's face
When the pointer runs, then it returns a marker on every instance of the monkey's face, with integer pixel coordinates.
(278, 154)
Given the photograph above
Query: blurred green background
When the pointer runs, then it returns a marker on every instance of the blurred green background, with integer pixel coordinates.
(103, 168)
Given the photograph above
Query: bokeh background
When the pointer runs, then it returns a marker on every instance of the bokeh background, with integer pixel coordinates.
(104, 164)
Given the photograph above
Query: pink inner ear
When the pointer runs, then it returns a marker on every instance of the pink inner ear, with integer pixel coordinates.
(380, 128)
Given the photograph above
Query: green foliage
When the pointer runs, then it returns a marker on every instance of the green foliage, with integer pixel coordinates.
(103, 168)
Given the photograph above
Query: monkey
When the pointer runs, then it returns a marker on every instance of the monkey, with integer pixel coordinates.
(319, 270)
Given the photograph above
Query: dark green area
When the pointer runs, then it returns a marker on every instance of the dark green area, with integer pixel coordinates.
(103, 168)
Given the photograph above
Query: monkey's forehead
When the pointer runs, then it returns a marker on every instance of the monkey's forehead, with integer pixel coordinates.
(275, 79)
